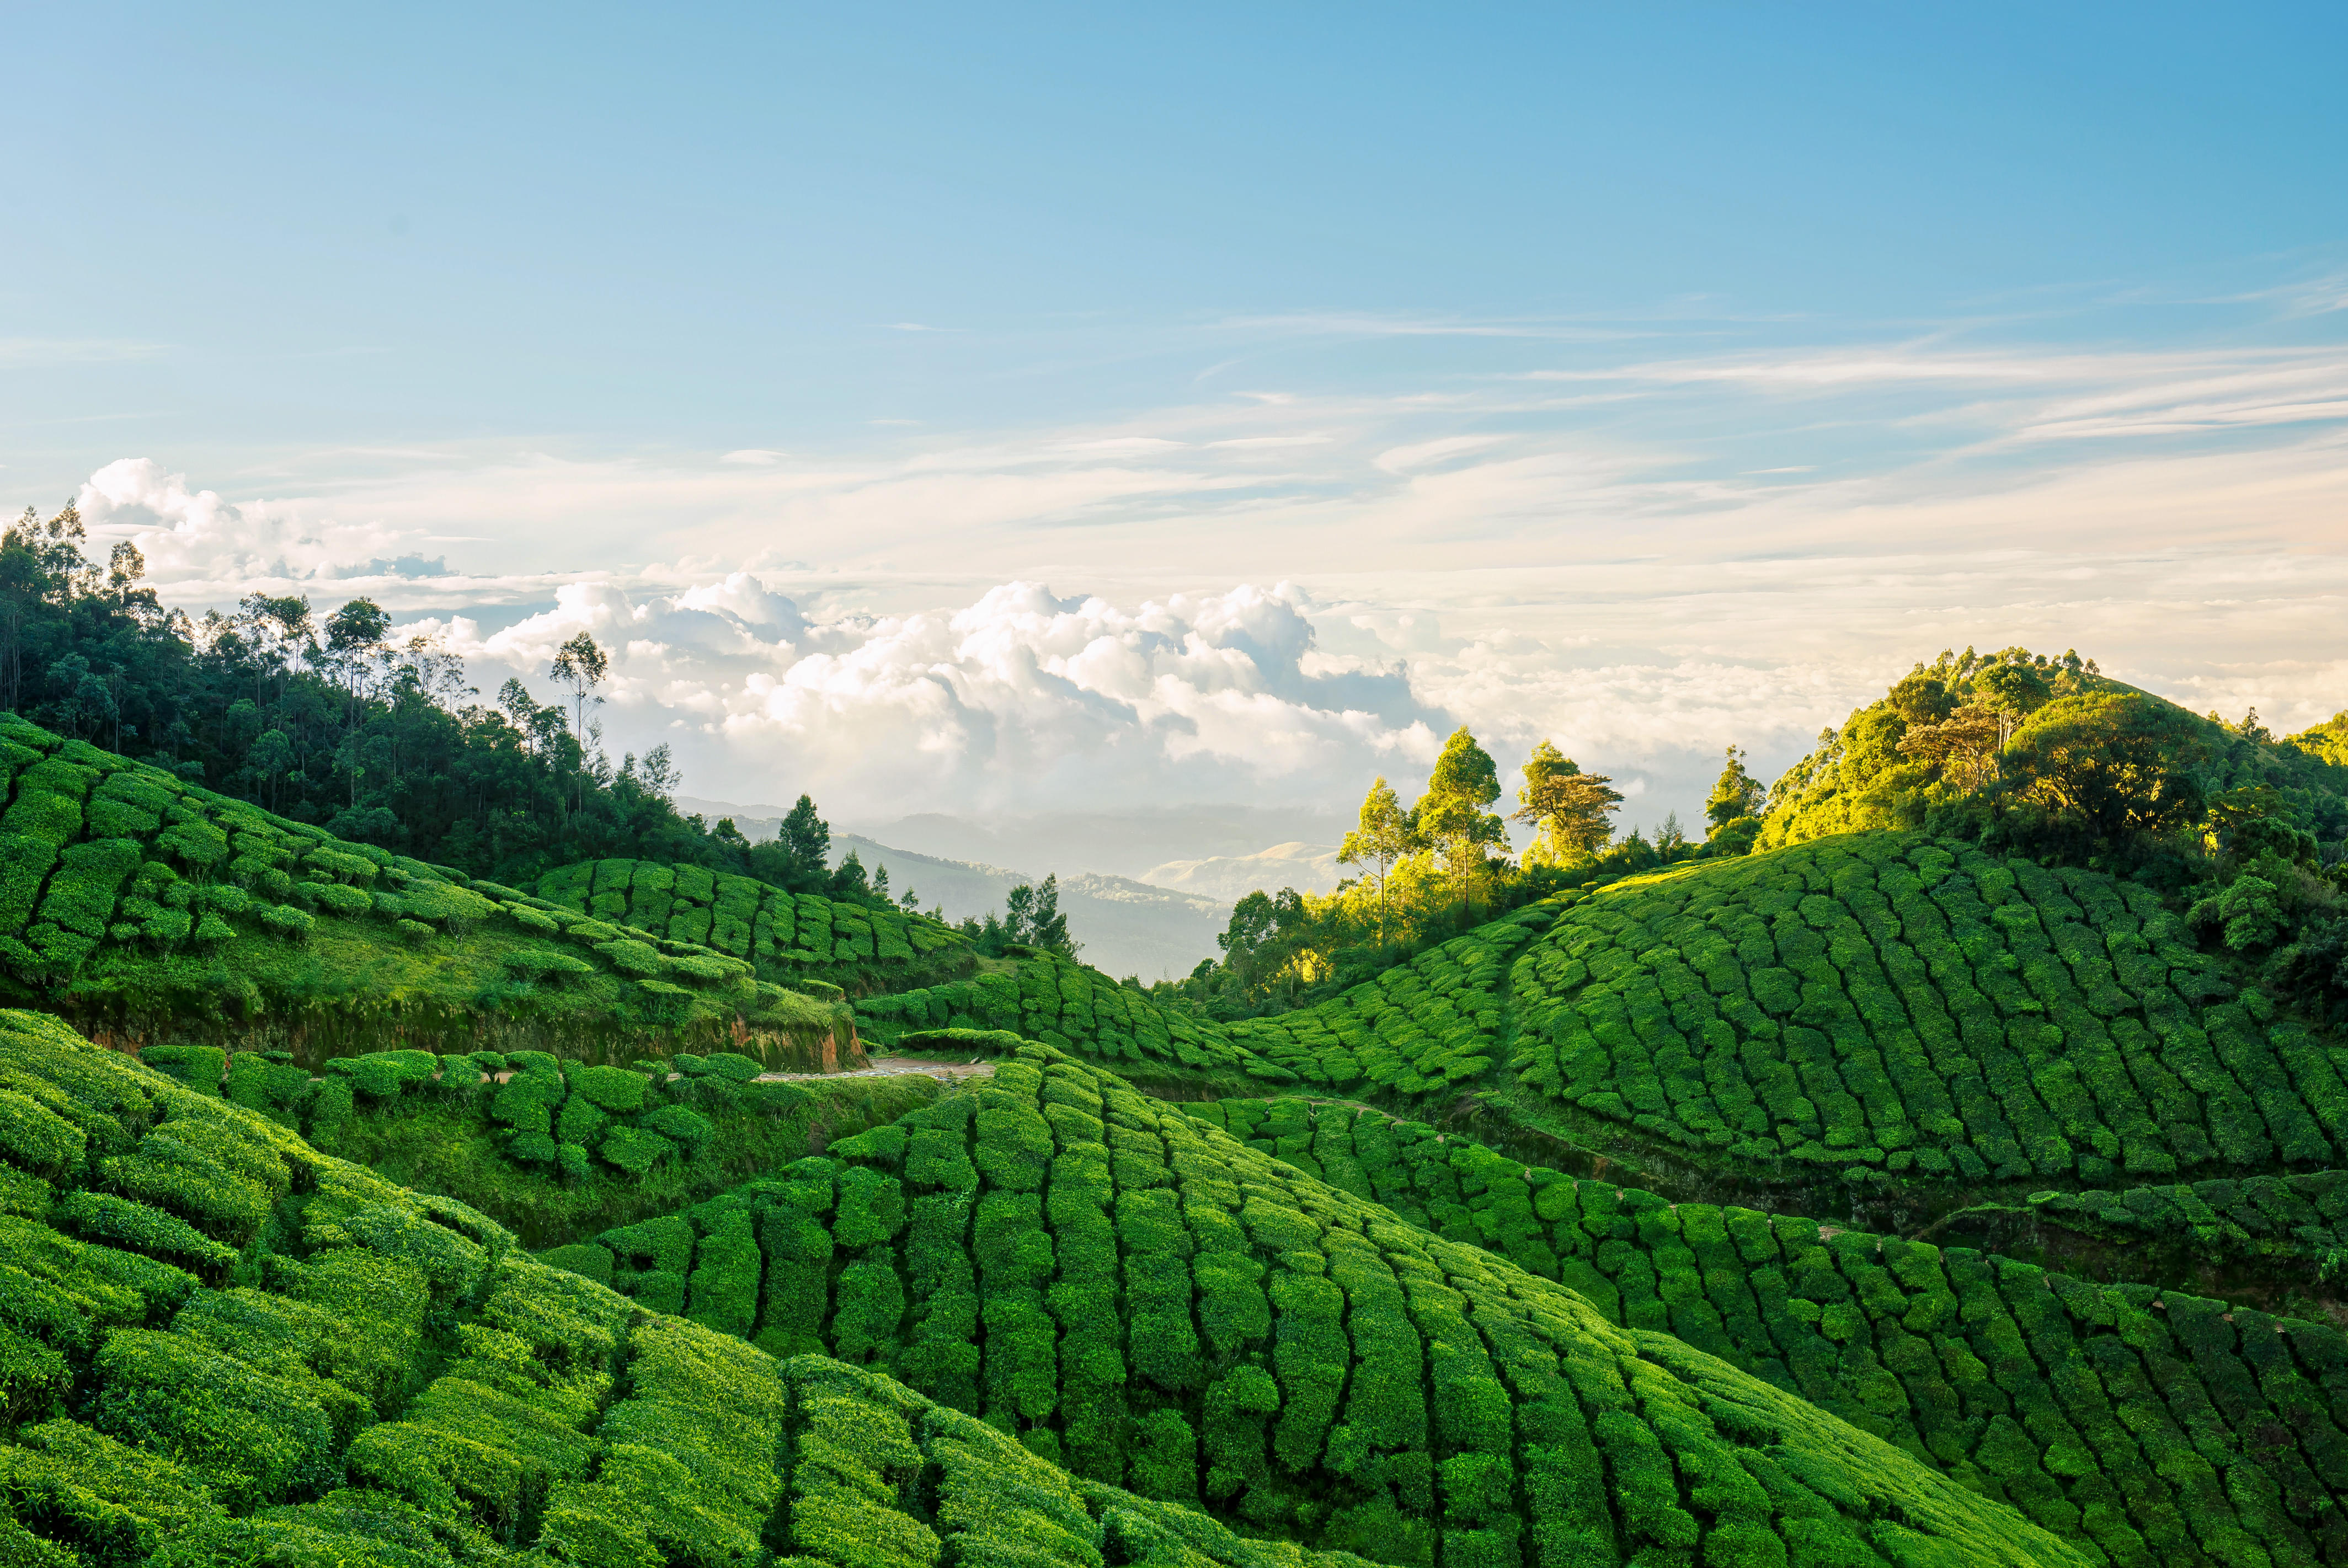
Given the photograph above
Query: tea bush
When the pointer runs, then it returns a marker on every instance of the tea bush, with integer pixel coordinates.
(1886, 1001)
(139, 902)
(553, 1147)
(375, 1377)
(1294, 1360)
(785, 937)
(2158, 1427)
(1420, 1029)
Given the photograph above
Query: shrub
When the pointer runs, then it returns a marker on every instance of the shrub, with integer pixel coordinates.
(287, 921)
(349, 902)
(614, 1089)
(632, 957)
(634, 1150)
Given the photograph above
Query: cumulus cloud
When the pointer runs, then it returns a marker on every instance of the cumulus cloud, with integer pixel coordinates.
(1019, 699)
(191, 534)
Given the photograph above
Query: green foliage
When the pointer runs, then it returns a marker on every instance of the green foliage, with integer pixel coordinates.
(1891, 1003)
(715, 929)
(194, 887)
(1340, 1377)
(2109, 1414)
(401, 1385)
(1421, 1028)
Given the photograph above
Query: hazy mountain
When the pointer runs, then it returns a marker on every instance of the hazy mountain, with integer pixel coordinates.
(1126, 927)
(1115, 844)
(1307, 868)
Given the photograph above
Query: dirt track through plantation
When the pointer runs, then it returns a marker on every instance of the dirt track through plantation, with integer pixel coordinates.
(890, 1067)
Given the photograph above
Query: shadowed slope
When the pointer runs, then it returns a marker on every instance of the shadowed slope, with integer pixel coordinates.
(221, 1346)
(2151, 1426)
(1140, 1297)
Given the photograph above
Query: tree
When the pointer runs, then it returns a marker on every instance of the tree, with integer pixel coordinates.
(1451, 813)
(1571, 808)
(1738, 795)
(2116, 762)
(805, 844)
(1018, 912)
(847, 882)
(579, 667)
(2015, 691)
(1964, 747)
(1048, 927)
(1382, 838)
(1921, 699)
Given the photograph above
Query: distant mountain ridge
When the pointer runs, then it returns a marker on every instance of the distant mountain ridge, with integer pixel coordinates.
(1307, 868)
(1127, 925)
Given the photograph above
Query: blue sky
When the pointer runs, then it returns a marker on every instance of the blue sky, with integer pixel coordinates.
(1652, 376)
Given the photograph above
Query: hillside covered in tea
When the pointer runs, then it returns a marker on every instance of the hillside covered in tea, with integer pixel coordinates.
(226, 1346)
(150, 908)
(1958, 1176)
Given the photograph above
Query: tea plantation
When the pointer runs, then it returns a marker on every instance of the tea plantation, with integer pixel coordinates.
(1881, 1001)
(152, 910)
(2159, 1426)
(787, 936)
(222, 1348)
(546, 1147)
(1421, 1029)
(1288, 1356)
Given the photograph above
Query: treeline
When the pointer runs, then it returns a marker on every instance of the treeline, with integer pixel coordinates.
(329, 719)
(2021, 754)
(1428, 871)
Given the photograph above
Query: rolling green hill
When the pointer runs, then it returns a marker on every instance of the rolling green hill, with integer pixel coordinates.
(548, 1148)
(1887, 1002)
(787, 938)
(147, 910)
(1292, 1358)
(221, 1346)
(2160, 1427)
(1874, 1004)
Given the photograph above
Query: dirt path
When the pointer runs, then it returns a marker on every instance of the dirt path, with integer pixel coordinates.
(889, 1067)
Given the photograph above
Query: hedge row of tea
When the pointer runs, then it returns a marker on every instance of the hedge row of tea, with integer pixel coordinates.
(566, 1116)
(2302, 1219)
(1134, 1294)
(1422, 1028)
(1884, 1000)
(1072, 1008)
(785, 935)
(199, 1368)
(117, 878)
(2148, 1427)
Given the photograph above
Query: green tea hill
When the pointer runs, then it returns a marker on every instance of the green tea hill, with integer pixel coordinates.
(789, 937)
(148, 910)
(1873, 1005)
(1883, 1000)
(2159, 1426)
(222, 1346)
(1140, 1298)
(548, 1148)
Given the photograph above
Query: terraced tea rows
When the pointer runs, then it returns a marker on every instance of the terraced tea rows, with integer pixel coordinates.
(130, 896)
(539, 1143)
(787, 936)
(1070, 1007)
(1419, 1028)
(2300, 1219)
(2160, 1428)
(1885, 1001)
(224, 1347)
(1137, 1295)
